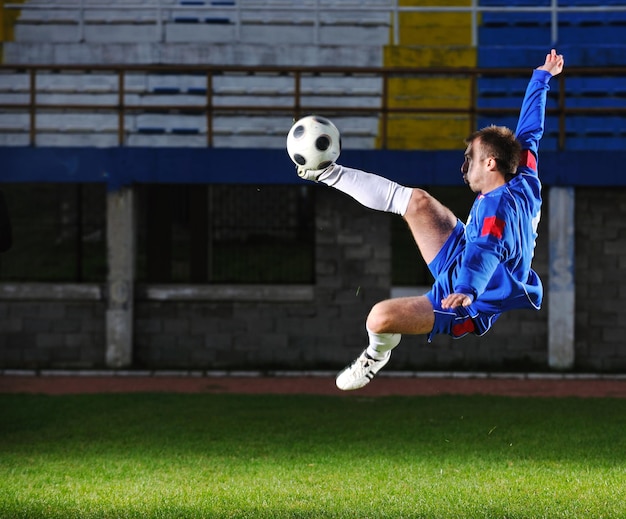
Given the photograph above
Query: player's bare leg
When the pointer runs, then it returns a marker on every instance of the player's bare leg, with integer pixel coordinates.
(430, 223)
(402, 315)
(386, 323)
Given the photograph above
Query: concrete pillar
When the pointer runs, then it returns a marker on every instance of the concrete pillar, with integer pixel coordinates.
(121, 277)
(561, 287)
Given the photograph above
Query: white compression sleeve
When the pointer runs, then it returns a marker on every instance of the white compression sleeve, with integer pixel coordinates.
(368, 189)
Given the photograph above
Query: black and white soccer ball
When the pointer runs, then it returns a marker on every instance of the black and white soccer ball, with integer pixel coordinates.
(313, 142)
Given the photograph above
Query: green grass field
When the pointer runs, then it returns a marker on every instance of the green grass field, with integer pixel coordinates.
(269, 456)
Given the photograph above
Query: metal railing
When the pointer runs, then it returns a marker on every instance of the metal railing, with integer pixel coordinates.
(296, 106)
(237, 11)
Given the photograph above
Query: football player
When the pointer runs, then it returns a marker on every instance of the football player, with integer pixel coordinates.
(482, 267)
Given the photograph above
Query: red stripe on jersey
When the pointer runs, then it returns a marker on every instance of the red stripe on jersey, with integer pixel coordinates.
(462, 328)
(493, 226)
(528, 159)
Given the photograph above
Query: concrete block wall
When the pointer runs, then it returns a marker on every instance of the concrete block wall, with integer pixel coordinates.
(51, 334)
(352, 271)
(353, 265)
(324, 329)
(600, 332)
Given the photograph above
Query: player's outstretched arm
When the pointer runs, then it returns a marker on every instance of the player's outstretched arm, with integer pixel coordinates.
(532, 113)
(554, 63)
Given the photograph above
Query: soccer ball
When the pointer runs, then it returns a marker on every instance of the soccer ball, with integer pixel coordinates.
(313, 142)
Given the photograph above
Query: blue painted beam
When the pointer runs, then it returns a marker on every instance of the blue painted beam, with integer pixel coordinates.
(124, 166)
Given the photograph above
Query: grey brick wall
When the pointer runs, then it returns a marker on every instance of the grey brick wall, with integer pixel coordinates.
(353, 272)
(600, 332)
(51, 334)
(326, 329)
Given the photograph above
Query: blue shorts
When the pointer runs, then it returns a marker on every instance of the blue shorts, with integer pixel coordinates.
(460, 321)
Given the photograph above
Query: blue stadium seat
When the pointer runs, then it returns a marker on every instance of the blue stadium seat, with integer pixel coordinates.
(199, 91)
(507, 120)
(185, 131)
(595, 91)
(165, 90)
(595, 132)
(200, 15)
(497, 86)
(151, 130)
(514, 3)
(218, 20)
(515, 18)
(574, 3)
(593, 27)
(505, 55)
(514, 35)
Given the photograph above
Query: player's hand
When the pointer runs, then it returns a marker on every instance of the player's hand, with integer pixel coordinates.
(554, 63)
(456, 300)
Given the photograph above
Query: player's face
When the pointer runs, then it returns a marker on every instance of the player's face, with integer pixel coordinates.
(473, 166)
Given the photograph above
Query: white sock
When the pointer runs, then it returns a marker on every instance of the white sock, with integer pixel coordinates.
(381, 343)
(368, 189)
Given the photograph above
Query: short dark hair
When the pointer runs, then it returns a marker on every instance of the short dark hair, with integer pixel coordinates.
(500, 143)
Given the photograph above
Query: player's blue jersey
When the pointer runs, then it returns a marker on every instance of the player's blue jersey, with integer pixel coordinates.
(501, 230)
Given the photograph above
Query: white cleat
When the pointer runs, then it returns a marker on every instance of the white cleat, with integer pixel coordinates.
(360, 372)
(312, 174)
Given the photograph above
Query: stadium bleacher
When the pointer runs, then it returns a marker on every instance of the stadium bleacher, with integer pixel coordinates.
(509, 39)
(257, 28)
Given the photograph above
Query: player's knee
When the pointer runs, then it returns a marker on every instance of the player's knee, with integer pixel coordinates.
(379, 319)
(423, 206)
(425, 210)
(420, 201)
